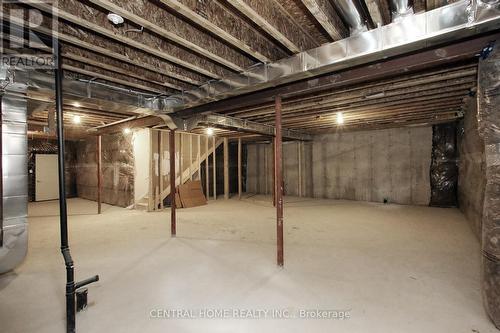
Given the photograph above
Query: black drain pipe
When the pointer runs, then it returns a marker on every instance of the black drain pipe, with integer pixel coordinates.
(71, 285)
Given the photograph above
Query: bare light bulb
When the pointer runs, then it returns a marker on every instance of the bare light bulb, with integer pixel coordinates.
(77, 119)
(340, 118)
(210, 131)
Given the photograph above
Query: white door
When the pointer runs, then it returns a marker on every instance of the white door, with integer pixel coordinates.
(46, 175)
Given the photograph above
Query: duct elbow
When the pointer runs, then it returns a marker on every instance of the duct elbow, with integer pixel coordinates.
(400, 9)
(15, 246)
(352, 16)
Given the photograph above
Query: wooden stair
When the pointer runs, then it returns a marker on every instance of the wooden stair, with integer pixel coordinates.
(189, 171)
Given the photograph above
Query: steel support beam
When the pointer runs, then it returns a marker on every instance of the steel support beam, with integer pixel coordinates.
(239, 169)
(278, 181)
(215, 168)
(249, 126)
(226, 168)
(173, 231)
(99, 173)
(432, 57)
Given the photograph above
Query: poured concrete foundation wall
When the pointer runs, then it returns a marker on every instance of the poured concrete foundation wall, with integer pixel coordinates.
(259, 169)
(117, 169)
(390, 164)
(471, 168)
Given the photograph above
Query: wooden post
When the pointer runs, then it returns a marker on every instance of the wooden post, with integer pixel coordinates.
(190, 156)
(198, 157)
(226, 168)
(299, 153)
(239, 169)
(266, 169)
(172, 183)
(215, 170)
(99, 174)
(207, 182)
(160, 162)
(278, 181)
(151, 172)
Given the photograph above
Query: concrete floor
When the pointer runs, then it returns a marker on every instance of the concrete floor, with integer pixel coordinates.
(393, 268)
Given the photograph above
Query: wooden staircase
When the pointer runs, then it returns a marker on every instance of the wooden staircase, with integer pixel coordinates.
(189, 170)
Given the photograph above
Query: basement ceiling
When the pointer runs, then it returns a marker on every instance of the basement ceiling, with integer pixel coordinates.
(169, 46)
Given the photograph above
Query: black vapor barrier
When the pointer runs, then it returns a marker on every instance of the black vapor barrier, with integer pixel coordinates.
(489, 129)
(444, 168)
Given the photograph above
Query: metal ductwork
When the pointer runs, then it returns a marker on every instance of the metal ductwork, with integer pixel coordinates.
(14, 182)
(351, 16)
(411, 33)
(400, 8)
(446, 24)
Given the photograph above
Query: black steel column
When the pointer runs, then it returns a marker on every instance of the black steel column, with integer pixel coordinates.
(68, 261)
(71, 286)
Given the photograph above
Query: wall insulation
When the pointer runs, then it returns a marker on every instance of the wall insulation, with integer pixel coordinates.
(390, 164)
(444, 166)
(117, 169)
(489, 129)
(471, 168)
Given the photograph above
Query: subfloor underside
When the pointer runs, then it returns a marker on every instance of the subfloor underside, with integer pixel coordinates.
(392, 268)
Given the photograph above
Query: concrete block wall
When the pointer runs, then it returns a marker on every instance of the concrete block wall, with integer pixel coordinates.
(388, 164)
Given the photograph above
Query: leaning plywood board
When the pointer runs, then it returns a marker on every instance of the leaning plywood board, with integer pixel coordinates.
(191, 194)
(178, 203)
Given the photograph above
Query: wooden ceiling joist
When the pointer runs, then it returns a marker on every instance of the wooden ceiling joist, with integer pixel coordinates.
(367, 115)
(269, 27)
(118, 70)
(166, 34)
(204, 23)
(376, 12)
(327, 17)
(78, 21)
(419, 6)
(363, 90)
(108, 53)
(460, 51)
(462, 90)
(111, 79)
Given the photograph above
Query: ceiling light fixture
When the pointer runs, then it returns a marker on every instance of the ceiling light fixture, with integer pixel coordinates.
(376, 95)
(115, 18)
(340, 118)
(77, 119)
(126, 130)
(210, 131)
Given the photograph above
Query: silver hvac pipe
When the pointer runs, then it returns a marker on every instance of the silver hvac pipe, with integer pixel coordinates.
(14, 172)
(351, 15)
(400, 8)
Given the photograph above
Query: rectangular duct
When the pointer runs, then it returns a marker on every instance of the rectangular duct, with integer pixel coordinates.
(411, 33)
(14, 181)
